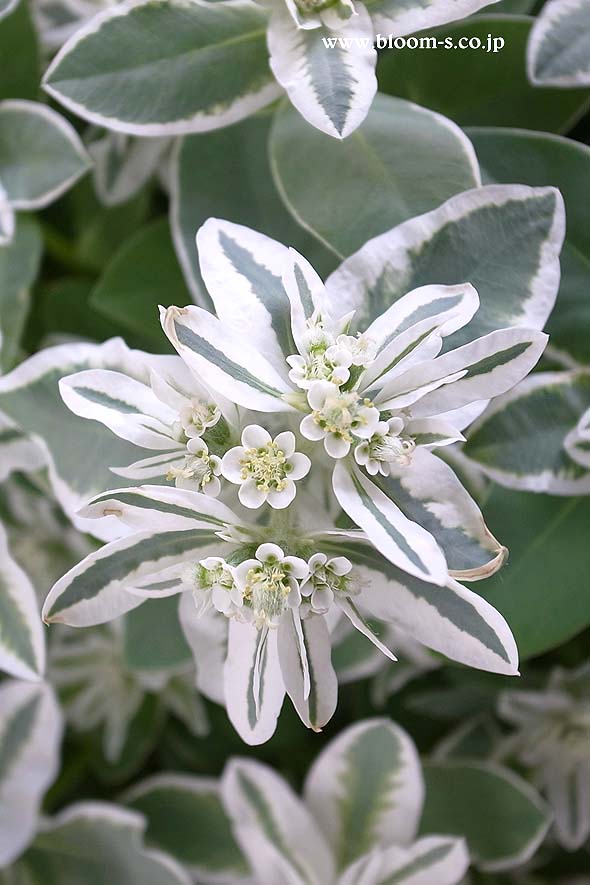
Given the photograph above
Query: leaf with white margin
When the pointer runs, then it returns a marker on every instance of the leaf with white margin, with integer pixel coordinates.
(328, 74)
(126, 406)
(67, 846)
(41, 154)
(186, 819)
(480, 370)
(306, 664)
(106, 71)
(451, 620)
(266, 812)
(409, 159)
(428, 492)
(224, 360)
(123, 165)
(365, 790)
(18, 452)
(22, 644)
(7, 6)
(7, 219)
(400, 540)
(568, 794)
(548, 405)
(253, 684)
(207, 637)
(409, 16)
(439, 859)
(19, 265)
(30, 733)
(577, 442)
(242, 270)
(558, 50)
(509, 833)
(78, 452)
(503, 239)
(95, 590)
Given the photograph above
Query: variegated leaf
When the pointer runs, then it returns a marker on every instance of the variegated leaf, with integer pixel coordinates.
(22, 644)
(266, 814)
(439, 859)
(365, 790)
(558, 51)
(393, 17)
(500, 442)
(30, 733)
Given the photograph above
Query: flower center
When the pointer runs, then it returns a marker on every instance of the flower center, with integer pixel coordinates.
(391, 449)
(266, 591)
(267, 466)
(342, 414)
(198, 417)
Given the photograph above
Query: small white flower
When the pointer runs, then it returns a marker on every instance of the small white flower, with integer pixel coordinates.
(265, 469)
(386, 447)
(196, 418)
(326, 579)
(213, 585)
(361, 348)
(337, 417)
(200, 470)
(270, 583)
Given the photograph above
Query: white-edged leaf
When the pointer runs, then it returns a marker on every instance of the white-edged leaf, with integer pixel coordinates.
(428, 492)
(558, 50)
(549, 403)
(306, 665)
(393, 17)
(206, 635)
(577, 442)
(439, 859)
(161, 507)
(329, 75)
(242, 270)
(7, 219)
(224, 360)
(515, 825)
(451, 620)
(18, 452)
(185, 817)
(106, 72)
(568, 794)
(7, 6)
(93, 592)
(30, 733)
(123, 165)
(67, 846)
(503, 239)
(19, 265)
(265, 811)
(126, 406)
(400, 540)
(480, 370)
(253, 684)
(365, 789)
(41, 154)
(22, 644)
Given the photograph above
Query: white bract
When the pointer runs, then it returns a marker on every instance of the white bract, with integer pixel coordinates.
(350, 415)
(552, 740)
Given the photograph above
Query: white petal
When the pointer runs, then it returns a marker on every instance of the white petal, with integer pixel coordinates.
(270, 553)
(335, 446)
(286, 442)
(310, 430)
(255, 437)
(250, 495)
(300, 465)
(282, 499)
(231, 466)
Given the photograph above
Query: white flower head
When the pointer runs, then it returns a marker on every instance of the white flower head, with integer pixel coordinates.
(327, 578)
(312, 13)
(387, 446)
(197, 417)
(265, 468)
(338, 417)
(213, 586)
(322, 357)
(270, 583)
(362, 348)
(200, 470)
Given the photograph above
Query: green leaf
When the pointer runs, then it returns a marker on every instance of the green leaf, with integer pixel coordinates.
(546, 571)
(106, 72)
(186, 818)
(19, 55)
(22, 643)
(153, 639)
(143, 272)
(402, 161)
(19, 265)
(537, 159)
(238, 187)
(7, 6)
(41, 154)
(81, 842)
(477, 88)
(515, 822)
(559, 46)
(548, 405)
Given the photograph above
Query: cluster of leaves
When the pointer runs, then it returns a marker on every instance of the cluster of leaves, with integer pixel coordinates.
(400, 438)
